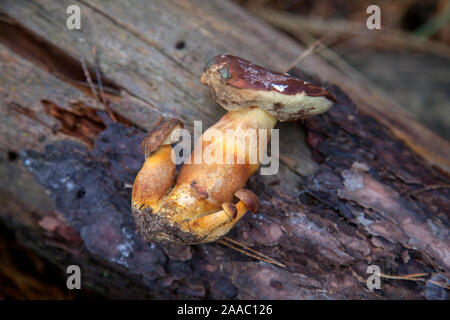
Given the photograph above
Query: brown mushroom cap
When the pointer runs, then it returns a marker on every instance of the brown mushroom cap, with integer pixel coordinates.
(160, 135)
(237, 83)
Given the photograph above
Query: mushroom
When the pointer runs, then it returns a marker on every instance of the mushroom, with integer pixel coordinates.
(200, 207)
(237, 83)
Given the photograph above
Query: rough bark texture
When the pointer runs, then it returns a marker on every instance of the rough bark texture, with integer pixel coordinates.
(346, 195)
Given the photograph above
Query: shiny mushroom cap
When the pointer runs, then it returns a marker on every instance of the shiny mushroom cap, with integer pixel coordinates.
(237, 83)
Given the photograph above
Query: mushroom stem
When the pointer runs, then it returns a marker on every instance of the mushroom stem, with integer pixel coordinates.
(241, 132)
(236, 137)
(247, 118)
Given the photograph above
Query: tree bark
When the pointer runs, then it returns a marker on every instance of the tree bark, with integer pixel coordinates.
(359, 185)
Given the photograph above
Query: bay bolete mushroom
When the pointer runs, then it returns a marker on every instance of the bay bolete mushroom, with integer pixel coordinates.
(200, 207)
(237, 83)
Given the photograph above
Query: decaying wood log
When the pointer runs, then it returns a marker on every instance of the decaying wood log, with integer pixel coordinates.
(362, 184)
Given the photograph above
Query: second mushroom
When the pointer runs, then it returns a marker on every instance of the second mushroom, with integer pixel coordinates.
(201, 206)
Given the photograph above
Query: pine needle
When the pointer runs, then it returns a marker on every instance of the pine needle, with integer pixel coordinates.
(89, 79)
(415, 277)
(249, 251)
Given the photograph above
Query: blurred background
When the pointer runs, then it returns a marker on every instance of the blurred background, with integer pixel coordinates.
(408, 61)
